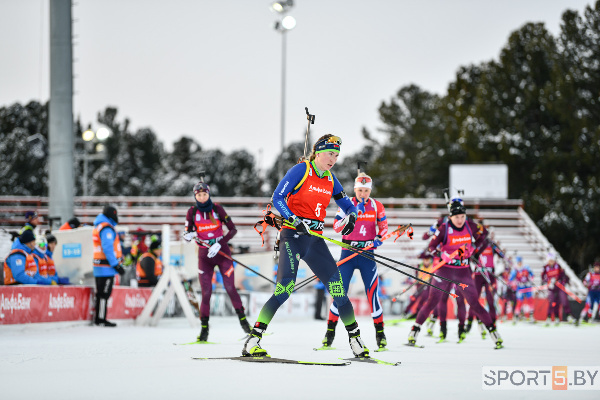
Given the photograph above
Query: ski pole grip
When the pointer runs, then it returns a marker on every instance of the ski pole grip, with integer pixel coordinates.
(310, 117)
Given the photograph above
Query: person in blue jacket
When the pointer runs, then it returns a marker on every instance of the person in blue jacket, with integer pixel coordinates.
(108, 257)
(20, 267)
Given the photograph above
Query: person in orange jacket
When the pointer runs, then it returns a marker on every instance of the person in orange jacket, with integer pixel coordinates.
(149, 266)
(20, 266)
(107, 260)
(73, 223)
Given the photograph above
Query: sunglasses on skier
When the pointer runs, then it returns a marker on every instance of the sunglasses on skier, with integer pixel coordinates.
(333, 139)
(201, 187)
(364, 179)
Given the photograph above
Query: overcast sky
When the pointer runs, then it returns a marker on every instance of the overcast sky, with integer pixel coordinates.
(211, 69)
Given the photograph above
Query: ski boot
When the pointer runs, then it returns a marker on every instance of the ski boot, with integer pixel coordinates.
(380, 336)
(243, 321)
(412, 336)
(469, 325)
(495, 336)
(252, 345)
(356, 343)
(105, 323)
(430, 325)
(203, 336)
(462, 333)
(443, 331)
(482, 329)
(330, 334)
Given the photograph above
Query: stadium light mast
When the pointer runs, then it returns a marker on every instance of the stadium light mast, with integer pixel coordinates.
(61, 180)
(284, 24)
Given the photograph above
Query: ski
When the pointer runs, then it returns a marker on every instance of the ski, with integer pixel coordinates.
(324, 348)
(196, 342)
(380, 349)
(276, 361)
(371, 360)
(414, 345)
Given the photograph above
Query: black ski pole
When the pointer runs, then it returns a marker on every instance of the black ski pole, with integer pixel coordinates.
(305, 282)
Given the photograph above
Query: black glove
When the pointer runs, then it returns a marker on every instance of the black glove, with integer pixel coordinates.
(119, 268)
(349, 226)
(300, 226)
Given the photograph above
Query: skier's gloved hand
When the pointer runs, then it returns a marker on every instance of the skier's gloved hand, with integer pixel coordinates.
(301, 226)
(214, 249)
(552, 283)
(188, 236)
(350, 221)
(377, 241)
(119, 268)
(432, 229)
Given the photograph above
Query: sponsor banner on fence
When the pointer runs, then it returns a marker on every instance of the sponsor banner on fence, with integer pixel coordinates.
(25, 304)
(33, 303)
(126, 302)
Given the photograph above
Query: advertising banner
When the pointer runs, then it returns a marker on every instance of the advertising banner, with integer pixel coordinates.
(21, 304)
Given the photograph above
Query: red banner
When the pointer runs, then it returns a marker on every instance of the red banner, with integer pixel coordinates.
(32, 303)
(126, 302)
(23, 304)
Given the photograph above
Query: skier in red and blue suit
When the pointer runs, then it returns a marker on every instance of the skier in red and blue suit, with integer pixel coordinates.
(302, 198)
(523, 276)
(370, 227)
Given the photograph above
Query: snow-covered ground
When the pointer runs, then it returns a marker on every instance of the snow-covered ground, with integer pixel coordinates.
(78, 361)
